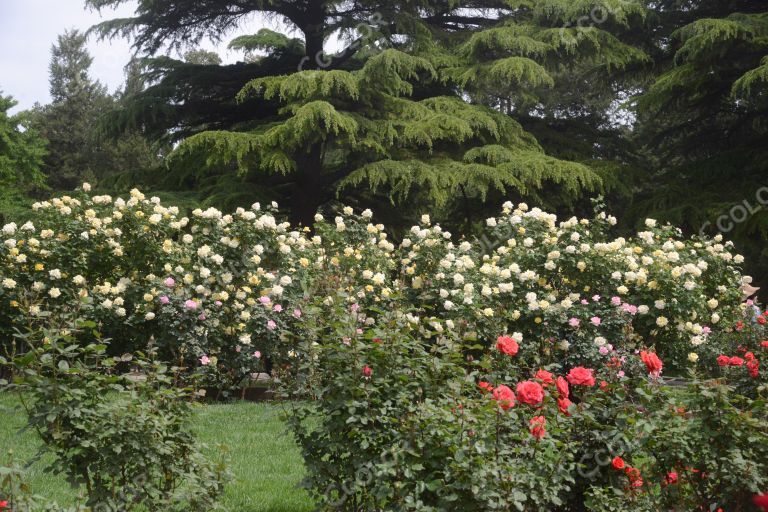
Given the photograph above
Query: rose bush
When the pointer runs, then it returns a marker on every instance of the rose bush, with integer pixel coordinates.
(218, 293)
(403, 421)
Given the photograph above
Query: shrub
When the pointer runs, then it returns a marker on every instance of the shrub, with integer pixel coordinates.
(402, 422)
(123, 439)
(218, 294)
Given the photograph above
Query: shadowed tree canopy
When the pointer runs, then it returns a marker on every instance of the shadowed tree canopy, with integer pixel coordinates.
(703, 122)
(423, 101)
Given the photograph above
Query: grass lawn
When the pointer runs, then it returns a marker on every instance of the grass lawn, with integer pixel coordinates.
(263, 457)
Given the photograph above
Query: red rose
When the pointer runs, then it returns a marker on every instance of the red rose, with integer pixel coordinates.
(485, 386)
(581, 376)
(563, 404)
(764, 343)
(504, 396)
(671, 478)
(736, 361)
(507, 345)
(761, 320)
(761, 500)
(377, 341)
(752, 367)
(749, 356)
(545, 377)
(538, 424)
(633, 474)
(367, 371)
(618, 463)
(652, 363)
(562, 387)
(530, 392)
(723, 360)
(3, 505)
(739, 325)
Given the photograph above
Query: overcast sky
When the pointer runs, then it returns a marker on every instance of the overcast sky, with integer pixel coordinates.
(28, 28)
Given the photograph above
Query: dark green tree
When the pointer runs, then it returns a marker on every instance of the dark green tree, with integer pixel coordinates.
(422, 105)
(78, 148)
(68, 121)
(703, 123)
(21, 157)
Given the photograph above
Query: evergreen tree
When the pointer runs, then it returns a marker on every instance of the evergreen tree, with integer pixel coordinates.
(68, 121)
(78, 148)
(21, 149)
(414, 106)
(704, 124)
(21, 157)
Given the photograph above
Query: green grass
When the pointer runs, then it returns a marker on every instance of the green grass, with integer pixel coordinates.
(263, 458)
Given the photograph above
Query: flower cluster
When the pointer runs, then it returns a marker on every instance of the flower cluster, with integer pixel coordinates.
(218, 292)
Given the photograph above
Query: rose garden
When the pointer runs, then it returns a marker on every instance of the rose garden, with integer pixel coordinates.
(563, 369)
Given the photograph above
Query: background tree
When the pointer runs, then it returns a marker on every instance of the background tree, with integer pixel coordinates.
(21, 157)
(703, 123)
(408, 108)
(78, 149)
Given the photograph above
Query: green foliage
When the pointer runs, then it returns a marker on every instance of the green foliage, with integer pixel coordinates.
(394, 420)
(370, 121)
(122, 437)
(21, 150)
(77, 147)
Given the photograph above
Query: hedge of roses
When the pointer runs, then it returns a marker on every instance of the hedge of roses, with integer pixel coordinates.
(524, 370)
(217, 293)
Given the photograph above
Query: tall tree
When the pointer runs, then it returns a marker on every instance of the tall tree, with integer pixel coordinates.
(704, 123)
(21, 149)
(78, 148)
(68, 121)
(21, 157)
(410, 107)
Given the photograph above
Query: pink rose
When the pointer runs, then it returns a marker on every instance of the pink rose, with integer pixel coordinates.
(595, 320)
(190, 304)
(205, 360)
(581, 376)
(164, 299)
(169, 282)
(530, 392)
(271, 325)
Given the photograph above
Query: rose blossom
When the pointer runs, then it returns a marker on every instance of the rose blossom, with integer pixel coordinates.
(485, 386)
(507, 345)
(504, 396)
(164, 299)
(367, 372)
(537, 426)
(652, 363)
(169, 282)
(574, 322)
(190, 304)
(581, 376)
(530, 392)
(563, 404)
(723, 360)
(545, 377)
(271, 325)
(617, 463)
(595, 320)
(562, 387)
(205, 360)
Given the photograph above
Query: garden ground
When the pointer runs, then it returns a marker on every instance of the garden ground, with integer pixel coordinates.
(265, 462)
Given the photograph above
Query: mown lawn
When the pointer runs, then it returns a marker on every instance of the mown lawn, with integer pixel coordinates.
(263, 457)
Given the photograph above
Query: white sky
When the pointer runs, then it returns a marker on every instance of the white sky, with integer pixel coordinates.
(28, 28)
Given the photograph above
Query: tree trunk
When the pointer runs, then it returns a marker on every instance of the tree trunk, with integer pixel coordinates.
(308, 192)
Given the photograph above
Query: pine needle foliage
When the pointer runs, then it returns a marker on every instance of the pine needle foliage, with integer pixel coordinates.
(425, 101)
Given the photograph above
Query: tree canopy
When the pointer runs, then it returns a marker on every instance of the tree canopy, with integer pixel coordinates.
(424, 100)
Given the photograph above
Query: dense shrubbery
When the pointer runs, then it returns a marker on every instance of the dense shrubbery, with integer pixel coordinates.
(216, 293)
(122, 437)
(400, 421)
(430, 369)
